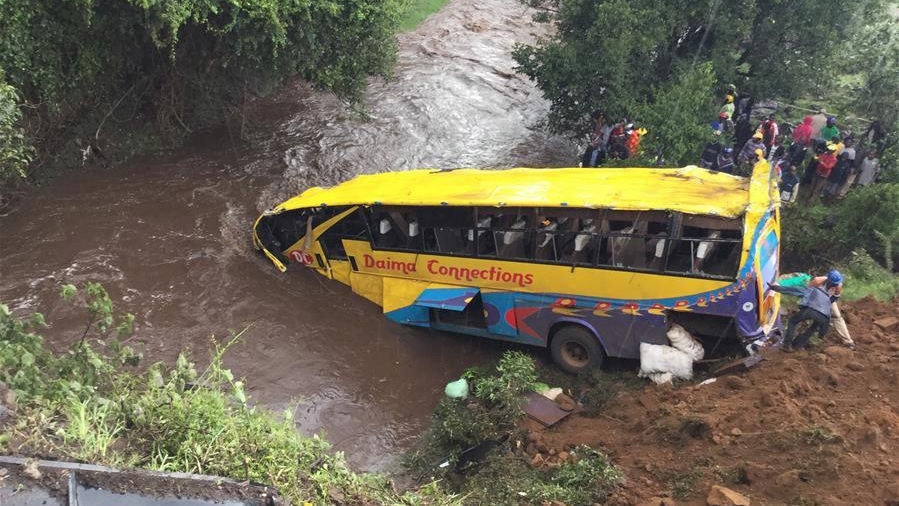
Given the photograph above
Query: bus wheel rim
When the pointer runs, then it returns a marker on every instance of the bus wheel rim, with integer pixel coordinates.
(575, 353)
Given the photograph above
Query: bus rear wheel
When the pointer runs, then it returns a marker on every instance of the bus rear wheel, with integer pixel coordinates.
(576, 350)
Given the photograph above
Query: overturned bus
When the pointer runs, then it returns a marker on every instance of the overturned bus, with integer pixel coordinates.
(587, 262)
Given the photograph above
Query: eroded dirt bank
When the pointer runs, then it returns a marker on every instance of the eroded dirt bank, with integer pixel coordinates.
(807, 428)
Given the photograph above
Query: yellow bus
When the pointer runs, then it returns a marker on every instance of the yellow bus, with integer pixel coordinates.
(587, 262)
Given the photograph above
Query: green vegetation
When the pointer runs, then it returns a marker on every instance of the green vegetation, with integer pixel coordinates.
(95, 406)
(15, 152)
(86, 71)
(614, 54)
(865, 277)
(511, 481)
(416, 11)
(501, 474)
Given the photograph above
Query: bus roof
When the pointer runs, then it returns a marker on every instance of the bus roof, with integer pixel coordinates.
(690, 190)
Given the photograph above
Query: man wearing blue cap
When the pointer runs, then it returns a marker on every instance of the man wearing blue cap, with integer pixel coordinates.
(835, 279)
(814, 308)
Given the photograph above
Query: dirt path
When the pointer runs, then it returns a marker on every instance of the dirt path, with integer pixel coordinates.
(808, 428)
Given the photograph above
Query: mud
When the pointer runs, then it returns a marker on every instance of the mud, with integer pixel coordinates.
(169, 235)
(819, 425)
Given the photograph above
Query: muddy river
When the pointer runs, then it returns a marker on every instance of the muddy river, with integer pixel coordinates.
(170, 235)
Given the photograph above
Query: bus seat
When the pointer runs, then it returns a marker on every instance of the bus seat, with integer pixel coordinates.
(706, 249)
(482, 223)
(513, 242)
(449, 240)
(414, 229)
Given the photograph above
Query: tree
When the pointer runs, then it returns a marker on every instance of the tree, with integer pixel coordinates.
(179, 64)
(15, 152)
(675, 135)
(609, 53)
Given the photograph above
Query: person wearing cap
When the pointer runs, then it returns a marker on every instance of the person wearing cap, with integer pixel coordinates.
(728, 106)
(709, 157)
(747, 154)
(720, 124)
(761, 163)
(725, 161)
(814, 308)
(834, 283)
(829, 130)
(826, 162)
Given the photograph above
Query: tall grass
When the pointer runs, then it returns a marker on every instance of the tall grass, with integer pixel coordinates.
(416, 11)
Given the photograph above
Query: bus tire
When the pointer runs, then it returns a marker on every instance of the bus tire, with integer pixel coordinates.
(576, 350)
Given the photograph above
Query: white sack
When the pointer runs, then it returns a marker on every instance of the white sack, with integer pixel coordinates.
(656, 359)
(682, 340)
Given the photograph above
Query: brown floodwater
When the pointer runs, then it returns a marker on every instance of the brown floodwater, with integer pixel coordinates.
(169, 235)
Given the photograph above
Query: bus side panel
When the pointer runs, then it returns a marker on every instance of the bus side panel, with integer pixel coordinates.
(399, 297)
(619, 332)
(623, 334)
(368, 286)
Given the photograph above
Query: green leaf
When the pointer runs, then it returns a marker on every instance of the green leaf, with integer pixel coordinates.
(37, 319)
(68, 292)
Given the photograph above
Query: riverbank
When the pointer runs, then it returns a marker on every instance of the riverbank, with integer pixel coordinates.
(98, 403)
(815, 427)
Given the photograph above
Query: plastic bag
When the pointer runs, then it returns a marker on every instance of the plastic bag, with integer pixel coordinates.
(683, 341)
(660, 359)
(457, 389)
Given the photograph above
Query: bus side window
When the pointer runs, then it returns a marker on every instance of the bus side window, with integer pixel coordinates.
(504, 234)
(567, 236)
(352, 226)
(395, 228)
(636, 240)
(706, 246)
(446, 229)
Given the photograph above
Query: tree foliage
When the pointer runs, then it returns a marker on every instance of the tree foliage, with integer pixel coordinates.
(608, 54)
(686, 96)
(15, 152)
(84, 64)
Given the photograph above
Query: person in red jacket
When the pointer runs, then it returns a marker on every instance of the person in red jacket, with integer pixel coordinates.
(803, 133)
(826, 162)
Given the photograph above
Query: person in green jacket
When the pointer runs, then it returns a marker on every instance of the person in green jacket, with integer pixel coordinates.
(829, 130)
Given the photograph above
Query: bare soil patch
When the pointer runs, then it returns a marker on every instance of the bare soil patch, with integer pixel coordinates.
(810, 427)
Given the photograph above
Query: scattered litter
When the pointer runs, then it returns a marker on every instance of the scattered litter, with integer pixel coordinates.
(457, 389)
(708, 381)
(542, 409)
(551, 393)
(540, 387)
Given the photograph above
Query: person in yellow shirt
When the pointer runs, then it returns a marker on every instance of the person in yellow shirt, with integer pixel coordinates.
(761, 163)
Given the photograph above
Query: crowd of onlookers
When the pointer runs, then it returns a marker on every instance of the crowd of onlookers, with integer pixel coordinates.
(611, 141)
(814, 155)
